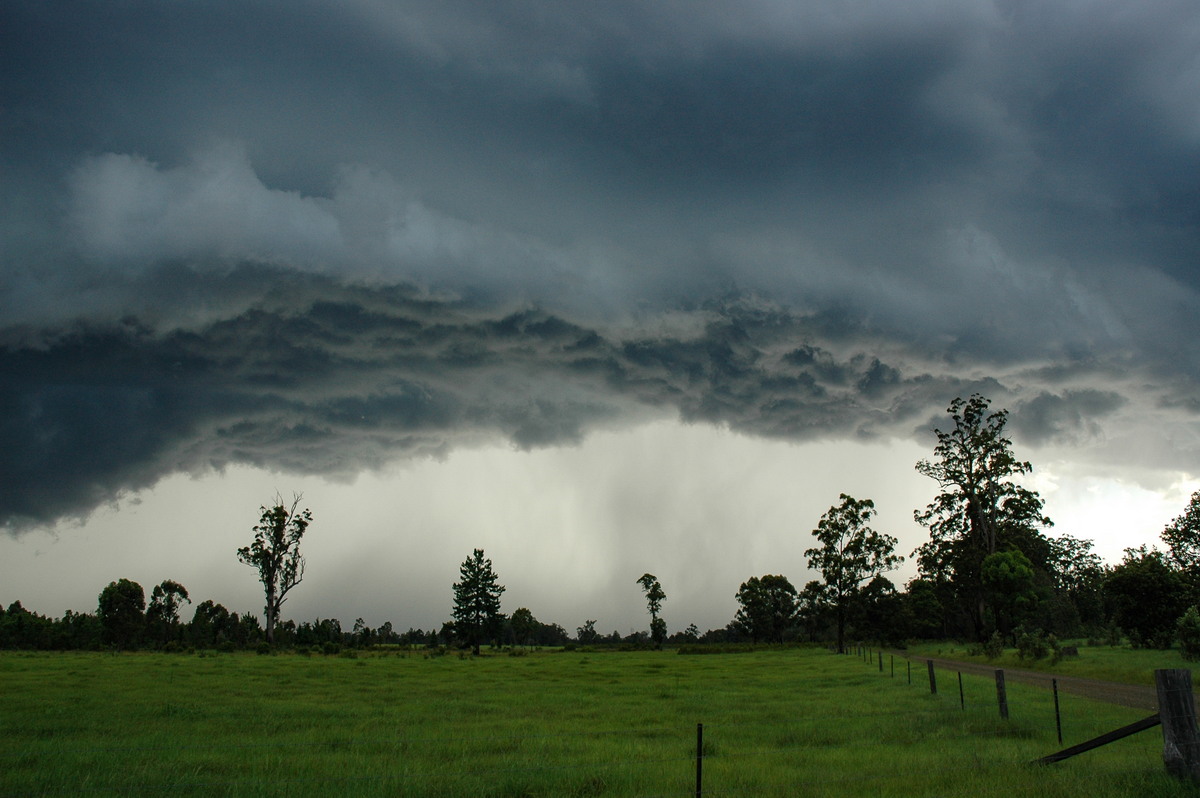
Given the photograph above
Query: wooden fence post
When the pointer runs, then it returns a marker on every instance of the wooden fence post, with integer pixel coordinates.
(1001, 694)
(1177, 709)
(881, 662)
(1057, 714)
(932, 678)
(699, 759)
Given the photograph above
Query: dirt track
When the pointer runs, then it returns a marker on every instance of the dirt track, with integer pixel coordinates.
(1126, 695)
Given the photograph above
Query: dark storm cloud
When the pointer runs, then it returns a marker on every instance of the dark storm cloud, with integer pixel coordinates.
(328, 379)
(1074, 417)
(935, 197)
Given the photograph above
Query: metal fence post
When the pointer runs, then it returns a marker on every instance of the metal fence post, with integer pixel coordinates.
(699, 759)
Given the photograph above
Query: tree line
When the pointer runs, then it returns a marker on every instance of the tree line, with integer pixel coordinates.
(989, 572)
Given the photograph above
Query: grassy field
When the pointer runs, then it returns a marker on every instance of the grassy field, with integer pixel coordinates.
(1109, 663)
(782, 722)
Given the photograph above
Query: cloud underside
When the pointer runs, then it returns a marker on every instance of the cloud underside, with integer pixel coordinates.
(328, 378)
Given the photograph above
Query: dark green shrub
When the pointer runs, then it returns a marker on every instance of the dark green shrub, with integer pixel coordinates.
(1032, 645)
(994, 647)
(1188, 633)
(1056, 653)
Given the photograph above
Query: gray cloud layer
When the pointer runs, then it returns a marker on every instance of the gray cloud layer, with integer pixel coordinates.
(322, 237)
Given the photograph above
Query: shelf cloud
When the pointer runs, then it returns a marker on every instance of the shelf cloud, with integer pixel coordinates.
(326, 237)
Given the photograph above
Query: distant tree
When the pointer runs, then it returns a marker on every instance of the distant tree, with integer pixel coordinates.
(79, 630)
(654, 599)
(1072, 560)
(587, 634)
(881, 612)
(1147, 596)
(549, 634)
(1182, 538)
(689, 635)
(211, 624)
(850, 554)
(246, 631)
(767, 608)
(21, 628)
(285, 631)
(362, 634)
(162, 615)
(980, 510)
(1078, 576)
(1187, 632)
(477, 601)
(121, 610)
(812, 610)
(523, 626)
(413, 637)
(275, 554)
(636, 639)
(1008, 584)
(924, 610)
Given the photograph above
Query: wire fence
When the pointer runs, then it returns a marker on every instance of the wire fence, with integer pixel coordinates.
(813, 751)
(1126, 695)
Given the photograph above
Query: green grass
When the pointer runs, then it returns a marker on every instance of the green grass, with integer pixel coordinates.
(1108, 663)
(779, 722)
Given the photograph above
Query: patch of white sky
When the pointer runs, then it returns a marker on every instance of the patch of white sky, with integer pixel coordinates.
(569, 530)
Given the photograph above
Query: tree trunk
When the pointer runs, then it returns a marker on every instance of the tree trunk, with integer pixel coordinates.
(272, 612)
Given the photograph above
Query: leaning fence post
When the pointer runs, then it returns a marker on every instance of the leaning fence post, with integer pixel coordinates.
(881, 662)
(961, 701)
(932, 678)
(1001, 694)
(699, 759)
(1177, 709)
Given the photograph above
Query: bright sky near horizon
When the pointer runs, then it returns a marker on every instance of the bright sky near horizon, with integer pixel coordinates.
(568, 529)
(635, 286)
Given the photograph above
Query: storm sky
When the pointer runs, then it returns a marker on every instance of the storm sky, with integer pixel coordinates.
(602, 289)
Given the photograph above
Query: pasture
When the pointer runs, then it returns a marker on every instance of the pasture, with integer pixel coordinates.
(1104, 662)
(572, 723)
